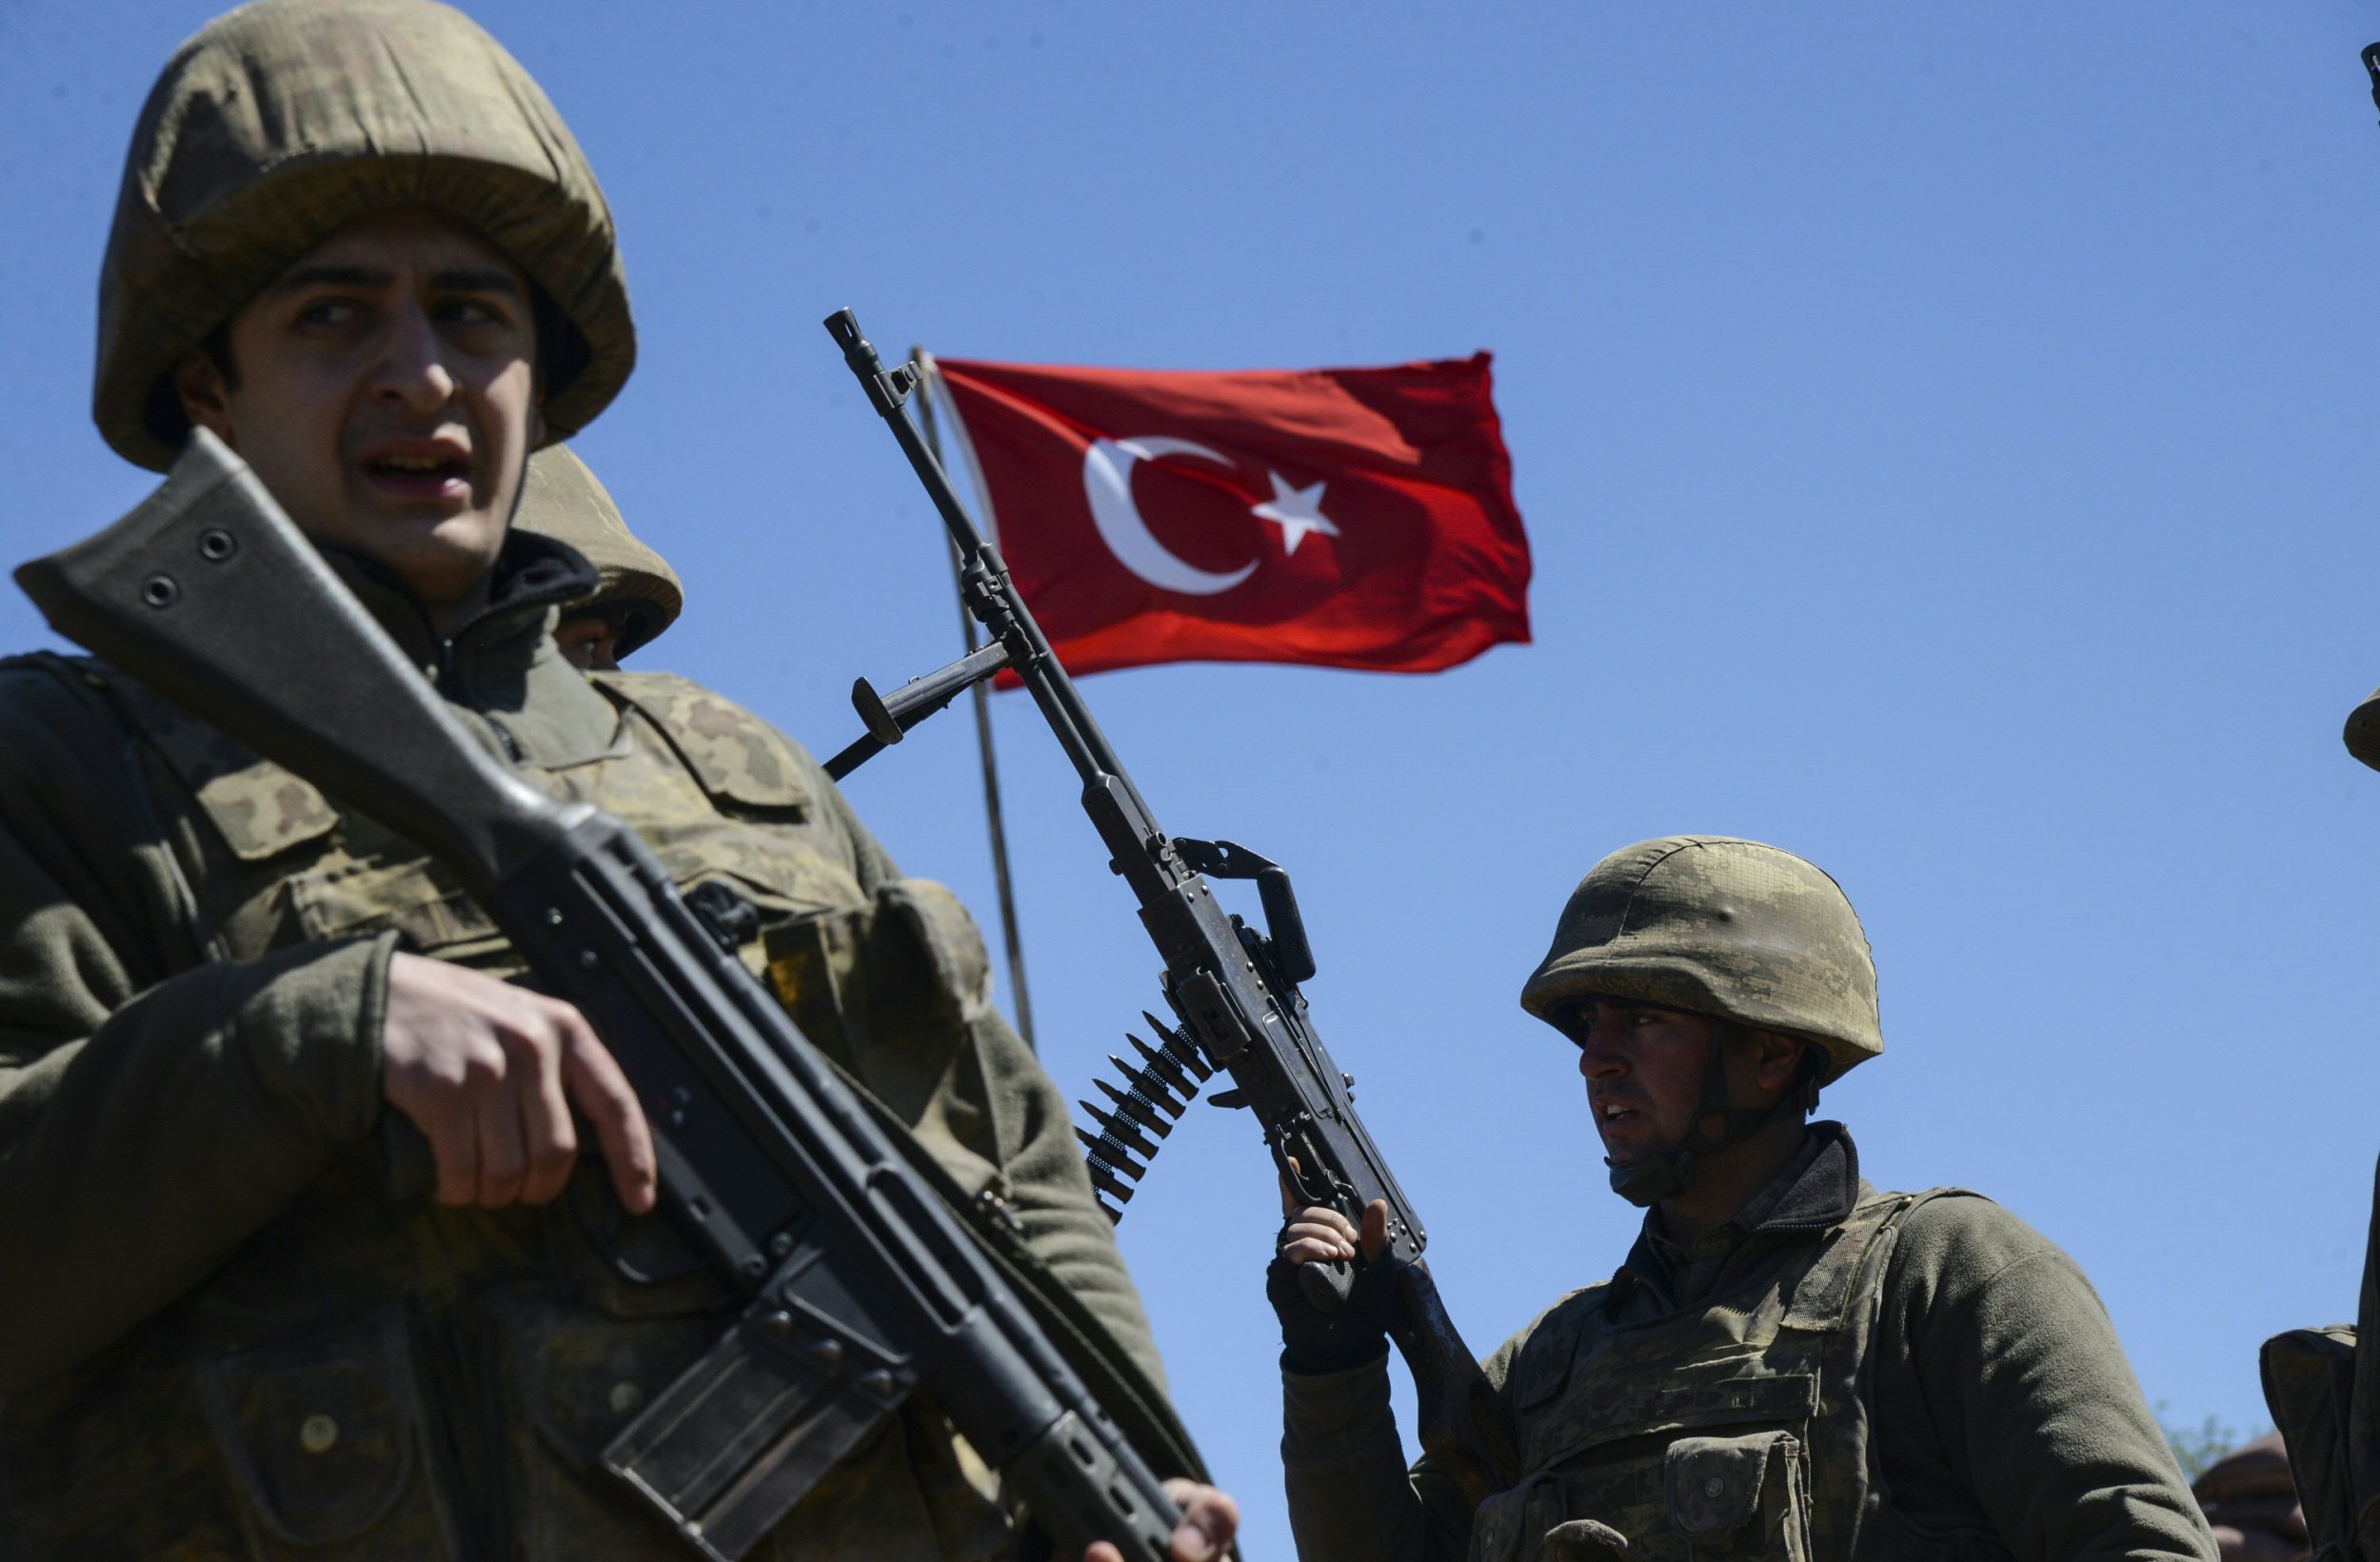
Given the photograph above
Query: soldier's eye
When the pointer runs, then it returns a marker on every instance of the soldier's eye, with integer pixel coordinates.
(472, 311)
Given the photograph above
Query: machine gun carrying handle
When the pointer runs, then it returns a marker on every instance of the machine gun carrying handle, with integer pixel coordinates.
(1285, 925)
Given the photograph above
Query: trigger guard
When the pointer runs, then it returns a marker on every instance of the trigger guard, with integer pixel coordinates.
(605, 1227)
(1328, 1195)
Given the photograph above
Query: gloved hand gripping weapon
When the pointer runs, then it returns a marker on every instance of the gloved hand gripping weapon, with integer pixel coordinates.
(861, 1282)
(1233, 987)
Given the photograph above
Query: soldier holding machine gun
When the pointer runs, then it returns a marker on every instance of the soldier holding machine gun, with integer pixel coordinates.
(1791, 1362)
(245, 1031)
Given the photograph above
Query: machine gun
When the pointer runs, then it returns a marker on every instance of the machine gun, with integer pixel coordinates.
(861, 1283)
(1233, 987)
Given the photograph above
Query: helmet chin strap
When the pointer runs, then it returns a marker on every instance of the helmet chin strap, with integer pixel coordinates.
(1664, 1174)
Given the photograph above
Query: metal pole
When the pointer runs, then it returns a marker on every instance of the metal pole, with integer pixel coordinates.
(981, 695)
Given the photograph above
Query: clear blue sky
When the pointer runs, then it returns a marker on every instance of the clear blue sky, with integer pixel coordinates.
(1947, 434)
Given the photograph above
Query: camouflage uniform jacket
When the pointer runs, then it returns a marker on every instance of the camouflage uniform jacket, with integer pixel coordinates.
(1837, 1373)
(232, 1325)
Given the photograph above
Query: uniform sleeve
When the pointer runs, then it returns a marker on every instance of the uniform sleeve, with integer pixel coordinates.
(1015, 1114)
(2029, 1395)
(1049, 1192)
(1351, 1496)
(148, 1122)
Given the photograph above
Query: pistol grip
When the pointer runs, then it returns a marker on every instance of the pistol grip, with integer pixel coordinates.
(1327, 1286)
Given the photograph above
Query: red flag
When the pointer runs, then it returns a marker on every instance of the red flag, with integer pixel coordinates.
(1353, 518)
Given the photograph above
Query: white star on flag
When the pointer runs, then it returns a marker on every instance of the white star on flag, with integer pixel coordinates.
(1297, 511)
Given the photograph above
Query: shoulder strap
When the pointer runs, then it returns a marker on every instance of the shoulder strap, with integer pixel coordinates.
(1856, 1248)
(737, 757)
(1542, 1365)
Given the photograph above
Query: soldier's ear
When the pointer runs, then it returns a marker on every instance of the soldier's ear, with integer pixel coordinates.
(1777, 1059)
(206, 395)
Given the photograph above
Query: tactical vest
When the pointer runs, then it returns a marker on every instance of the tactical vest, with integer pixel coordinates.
(362, 1382)
(1737, 1430)
(721, 797)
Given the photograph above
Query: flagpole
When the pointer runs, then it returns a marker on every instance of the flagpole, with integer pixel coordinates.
(992, 816)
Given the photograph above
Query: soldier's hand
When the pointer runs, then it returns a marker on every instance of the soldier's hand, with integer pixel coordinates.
(1209, 1519)
(489, 1073)
(1313, 1340)
(1320, 1236)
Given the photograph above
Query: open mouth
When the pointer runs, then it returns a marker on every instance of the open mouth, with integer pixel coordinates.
(424, 474)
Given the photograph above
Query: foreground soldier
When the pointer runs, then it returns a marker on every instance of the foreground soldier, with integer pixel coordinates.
(244, 1035)
(1791, 1363)
(637, 594)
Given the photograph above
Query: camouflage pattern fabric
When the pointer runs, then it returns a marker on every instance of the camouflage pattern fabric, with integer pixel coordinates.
(1718, 926)
(285, 121)
(563, 500)
(1730, 1430)
(235, 1328)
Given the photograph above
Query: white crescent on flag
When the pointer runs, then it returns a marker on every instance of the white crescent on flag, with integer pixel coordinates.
(1107, 479)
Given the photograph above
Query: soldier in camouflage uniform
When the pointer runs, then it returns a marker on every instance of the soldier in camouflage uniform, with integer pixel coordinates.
(637, 595)
(301, 1256)
(1792, 1363)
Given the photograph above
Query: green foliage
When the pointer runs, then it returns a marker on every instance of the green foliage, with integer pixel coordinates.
(2195, 1448)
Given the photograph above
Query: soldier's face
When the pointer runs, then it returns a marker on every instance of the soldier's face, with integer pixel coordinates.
(384, 389)
(588, 643)
(1643, 1065)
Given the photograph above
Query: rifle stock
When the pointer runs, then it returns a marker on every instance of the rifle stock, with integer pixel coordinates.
(862, 1282)
(171, 593)
(1234, 988)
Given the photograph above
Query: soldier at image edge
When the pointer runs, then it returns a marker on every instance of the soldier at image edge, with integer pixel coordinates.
(2321, 1386)
(321, 1238)
(636, 596)
(1790, 1363)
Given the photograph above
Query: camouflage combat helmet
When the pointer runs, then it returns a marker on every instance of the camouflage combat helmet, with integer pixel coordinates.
(562, 499)
(285, 121)
(1723, 927)
(1745, 933)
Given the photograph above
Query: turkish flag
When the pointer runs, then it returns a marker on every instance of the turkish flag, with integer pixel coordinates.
(1351, 517)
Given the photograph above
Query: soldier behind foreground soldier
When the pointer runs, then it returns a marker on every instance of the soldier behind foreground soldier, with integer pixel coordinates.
(242, 1033)
(2247, 1497)
(638, 595)
(1791, 1363)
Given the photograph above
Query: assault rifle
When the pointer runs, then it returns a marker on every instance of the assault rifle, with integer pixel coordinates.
(1233, 987)
(861, 1283)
